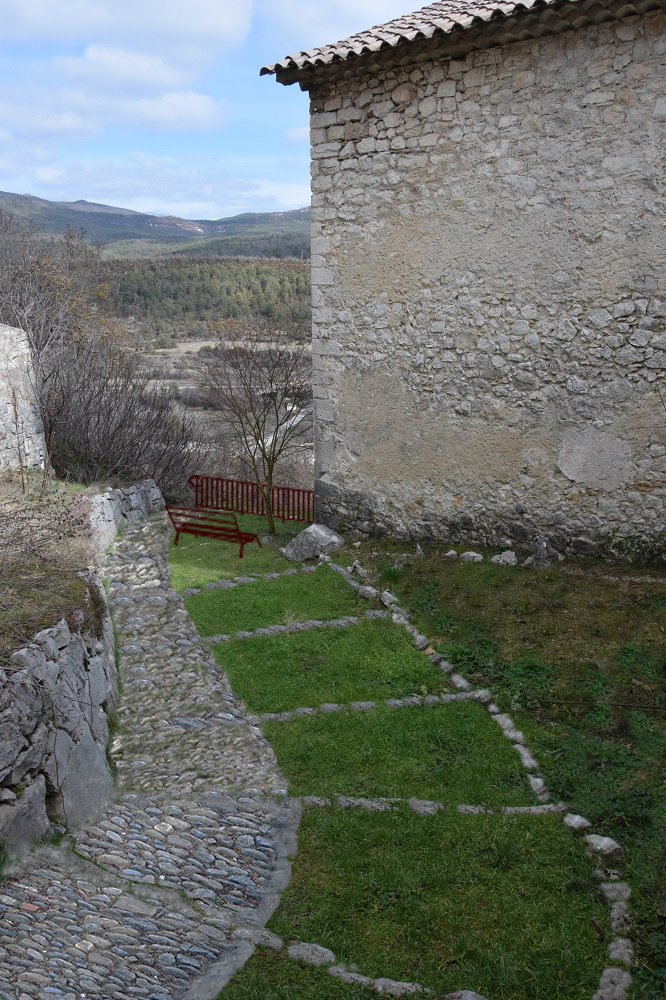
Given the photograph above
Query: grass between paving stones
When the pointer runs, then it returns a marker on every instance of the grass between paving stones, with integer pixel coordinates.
(272, 975)
(195, 562)
(505, 906)
(267, 602)
(447, 753)
(540, 639)
(370, 661)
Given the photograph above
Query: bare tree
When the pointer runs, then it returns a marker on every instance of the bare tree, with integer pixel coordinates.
(103, 417)
(260, 381)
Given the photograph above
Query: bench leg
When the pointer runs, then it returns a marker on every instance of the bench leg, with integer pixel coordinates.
(177, 537)
(242, 546)
(258, 541)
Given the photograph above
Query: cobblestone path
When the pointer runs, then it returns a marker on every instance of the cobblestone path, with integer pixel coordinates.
(145, 900)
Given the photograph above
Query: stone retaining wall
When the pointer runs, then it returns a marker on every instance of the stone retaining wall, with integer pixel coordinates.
(23, 445)
(57, 698)
(113, 509)
(489, 302)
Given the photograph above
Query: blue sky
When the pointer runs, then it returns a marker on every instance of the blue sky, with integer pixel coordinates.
(157, 105)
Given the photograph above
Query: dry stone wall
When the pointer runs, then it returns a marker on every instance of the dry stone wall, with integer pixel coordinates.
(57, 697)
(21, 431)
(489, 290)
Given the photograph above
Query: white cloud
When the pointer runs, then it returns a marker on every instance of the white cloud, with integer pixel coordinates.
(119, 68)
(319, 22)
(301, 134)
(70, 113)
(176, 23)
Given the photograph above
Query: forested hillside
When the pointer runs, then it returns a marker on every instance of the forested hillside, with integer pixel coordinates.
(127, 234)
(186, 292)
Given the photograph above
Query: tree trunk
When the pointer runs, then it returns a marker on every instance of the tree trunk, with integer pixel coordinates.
(267, 492)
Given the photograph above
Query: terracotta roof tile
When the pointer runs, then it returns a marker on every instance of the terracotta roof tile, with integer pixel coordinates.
(445, 17)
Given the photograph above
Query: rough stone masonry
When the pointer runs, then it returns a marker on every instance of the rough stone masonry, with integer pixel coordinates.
(21, 431)
(488, 287)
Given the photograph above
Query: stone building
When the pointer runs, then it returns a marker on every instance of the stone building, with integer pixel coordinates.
(488, 271)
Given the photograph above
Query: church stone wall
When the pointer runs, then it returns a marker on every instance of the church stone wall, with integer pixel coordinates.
(489, 291)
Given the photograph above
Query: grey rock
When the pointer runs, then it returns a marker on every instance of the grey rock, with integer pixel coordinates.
(619, 917)
(604, 846)
(464, 995)
(362, 706)
(25, 820)
(315, 541)
(358, 570)
(395, 989)
(621, 950)
(470, 556)
(460, 682)
(614, 985)
(387, 598)
(261, 937)
(425, 808)
(528, 760)
(576, 822)
(88, 783)
(616, 892)
(340, 972)
(507, 558)
(311, 954)
(367, 592)
(544, 554)
(451, 554)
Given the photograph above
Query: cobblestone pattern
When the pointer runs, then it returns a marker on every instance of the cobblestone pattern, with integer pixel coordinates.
(194, 845)
(489, 305)
(173, 688)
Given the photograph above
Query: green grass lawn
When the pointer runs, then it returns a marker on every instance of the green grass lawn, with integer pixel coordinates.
(566, 654)
(503, 906)
(370, 661)
(448, 753)
(197, 561)
(294, 598)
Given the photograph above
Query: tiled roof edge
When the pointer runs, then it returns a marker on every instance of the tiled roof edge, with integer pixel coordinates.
(501, 22)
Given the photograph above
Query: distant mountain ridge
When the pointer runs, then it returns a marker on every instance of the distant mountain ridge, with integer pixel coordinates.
(128, 234)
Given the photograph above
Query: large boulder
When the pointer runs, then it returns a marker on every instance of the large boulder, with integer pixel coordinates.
(315, 541)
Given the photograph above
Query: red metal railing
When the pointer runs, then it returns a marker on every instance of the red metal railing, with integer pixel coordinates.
(243, 497)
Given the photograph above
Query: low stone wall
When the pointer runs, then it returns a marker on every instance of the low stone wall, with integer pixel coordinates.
(22, 444)
(57, 698)
(55, 703)
(113, 509)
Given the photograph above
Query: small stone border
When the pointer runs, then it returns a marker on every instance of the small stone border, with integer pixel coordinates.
(411, 701)
(615, 981)
(424, 807)
(292, 628)
(314, 954)
(239, 580)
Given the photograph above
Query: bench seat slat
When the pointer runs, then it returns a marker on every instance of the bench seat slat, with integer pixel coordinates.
(210, 524)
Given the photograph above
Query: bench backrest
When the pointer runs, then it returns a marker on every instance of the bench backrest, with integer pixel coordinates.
(181, 516)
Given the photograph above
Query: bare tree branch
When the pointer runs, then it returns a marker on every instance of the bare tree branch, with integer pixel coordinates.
(260, 382)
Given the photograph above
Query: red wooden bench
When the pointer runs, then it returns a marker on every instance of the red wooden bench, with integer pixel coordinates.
(210, 524)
